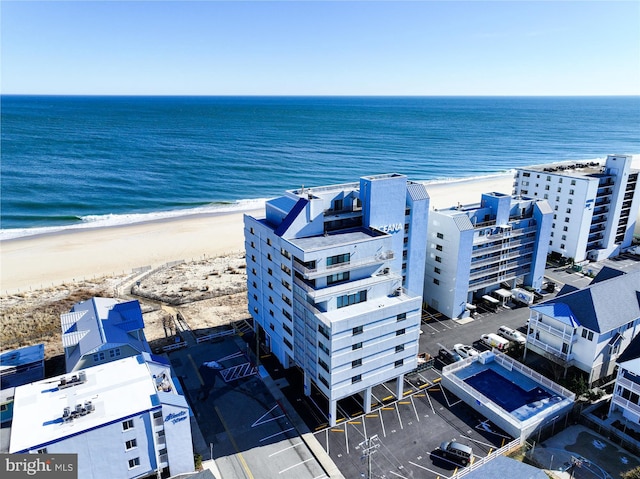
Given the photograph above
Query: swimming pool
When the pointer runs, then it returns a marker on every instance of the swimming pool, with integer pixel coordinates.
(505, 393)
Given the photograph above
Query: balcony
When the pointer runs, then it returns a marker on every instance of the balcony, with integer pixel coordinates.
(559, 333)
(327, 292)
(312, 273)
(626, 404)
(551, 352)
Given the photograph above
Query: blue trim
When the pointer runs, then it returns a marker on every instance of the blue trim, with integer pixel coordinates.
(291, 216)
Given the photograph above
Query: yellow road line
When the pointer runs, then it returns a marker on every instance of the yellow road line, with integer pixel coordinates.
(437, 380)
(321, 426)
(244, 464)
(195, 368)
(404, 402)
(354, 422)
(337, 430)
(371, 415)
(420, 395)
(424, 386)
(387, 398)
(407, 392)
(387, 409)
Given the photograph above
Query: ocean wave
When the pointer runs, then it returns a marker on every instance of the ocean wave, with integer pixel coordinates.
(108, 220)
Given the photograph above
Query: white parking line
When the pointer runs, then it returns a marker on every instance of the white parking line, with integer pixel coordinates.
(398, 412)
(414, 408)
(425, 468)
(286, 449)
(398, 475)
(276, 434)
(296, 465)
(260, 421)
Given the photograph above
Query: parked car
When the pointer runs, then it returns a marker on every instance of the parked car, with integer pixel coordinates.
(448, 357)
(512, 335)
(456, 451)
(465, 350)
(495, 341)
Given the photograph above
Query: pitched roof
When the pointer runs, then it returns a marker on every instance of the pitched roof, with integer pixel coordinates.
(607, 273)
(417, 191)
(97, 322)
(631, 352)
(594, 308)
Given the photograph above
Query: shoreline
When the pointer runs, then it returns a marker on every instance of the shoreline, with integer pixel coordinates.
(72, 255)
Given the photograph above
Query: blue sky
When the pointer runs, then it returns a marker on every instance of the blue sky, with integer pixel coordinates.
(321, 48)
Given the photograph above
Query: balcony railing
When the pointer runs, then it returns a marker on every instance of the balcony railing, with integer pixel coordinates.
(310, 273)
(625, 403)
(558, 354)
(563, 335)
(336, 289)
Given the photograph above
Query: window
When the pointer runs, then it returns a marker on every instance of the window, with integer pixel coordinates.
(134, 462)
(400, 332)
(323, 365)
(98, 357)
(399, 348)
(402, 316)
(565, 228)
(272, 327)
(114, 353)
(570, 201)
(287, 315)
(323, 380)
(130, 444)
(564, 237)
(439, 247)
(253, 245)
(42, 451)
(285, 268)
(251, 229)
(407, 211)
(128, 424)
(566, 220)
(356, 379)
(548, 178)
(399, 363)
(287, 343)
(546, 187)
(555, 208)
(287, 329)
(253, 258)
(337, 205)
(269, 256)
(356, 363)
(269, 241)
(286, 284)
(285, 253)
(338, 259)
(555, 217)
(323, 330)
(436, 281)
(546, 196)
(526, 174)
(357, 330)
(568, 210)
(553, 225)
(323, 347)
(270, 271)
(271, 313)
(436, 270)
(157, 414)
(438, 259)
(270, 286)
(570, 192)
(552, 234)
(561, 245)
(406, 228)
(338, 278)
(587, 334)
(356, 346)
(559, 189)
(439, 235)
(404, 254)
(404, 265)
(349, 299)
(573, 182)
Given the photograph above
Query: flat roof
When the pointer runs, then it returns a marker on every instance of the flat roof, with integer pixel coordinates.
(16, 357)
(39, 406)
(340, 238)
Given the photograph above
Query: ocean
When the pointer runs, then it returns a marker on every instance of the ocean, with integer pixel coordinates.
(76, 162)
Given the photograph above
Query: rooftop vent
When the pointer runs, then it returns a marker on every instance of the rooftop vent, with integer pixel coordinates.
(74, 380)
(80, 410)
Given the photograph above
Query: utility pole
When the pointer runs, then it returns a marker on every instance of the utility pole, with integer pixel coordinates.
(369, 447)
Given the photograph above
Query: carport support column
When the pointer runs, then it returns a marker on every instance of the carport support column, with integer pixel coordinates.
(400, 387)
(367, 400)
(333, 411)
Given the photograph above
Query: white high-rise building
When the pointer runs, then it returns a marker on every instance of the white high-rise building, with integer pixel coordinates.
(335, 278)
(595, 206)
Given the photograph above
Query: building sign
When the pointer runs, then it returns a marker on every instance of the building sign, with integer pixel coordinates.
(175, 418)
(392, 228)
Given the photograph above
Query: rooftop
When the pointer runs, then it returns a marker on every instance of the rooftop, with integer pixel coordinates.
(40, 406)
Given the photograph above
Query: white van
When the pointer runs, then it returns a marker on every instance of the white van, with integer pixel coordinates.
(512, 335)
(495, 341)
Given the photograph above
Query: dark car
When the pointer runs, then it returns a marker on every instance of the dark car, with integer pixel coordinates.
(448, 357)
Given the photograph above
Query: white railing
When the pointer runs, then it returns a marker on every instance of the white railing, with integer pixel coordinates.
(626, 404)
(549, 349)
(228, 332)
(369, 260)
(554, 331)
(174, 346)
(516, 443)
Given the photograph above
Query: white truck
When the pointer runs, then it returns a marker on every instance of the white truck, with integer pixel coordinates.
(523, 296)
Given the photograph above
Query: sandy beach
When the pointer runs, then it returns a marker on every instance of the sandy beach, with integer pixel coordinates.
(72, 256)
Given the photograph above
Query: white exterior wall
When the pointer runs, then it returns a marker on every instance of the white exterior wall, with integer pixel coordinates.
(626, 394)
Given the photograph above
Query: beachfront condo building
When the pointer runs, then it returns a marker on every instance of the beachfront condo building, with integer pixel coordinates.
(335, 278)
(594, 206)
(100, 330)
(472, 249)
(124, 418)
(588, 328)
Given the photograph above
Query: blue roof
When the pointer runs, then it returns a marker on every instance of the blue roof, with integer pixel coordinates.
(100, 324)
(291, 216)
(559, 311)
(26, 355)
